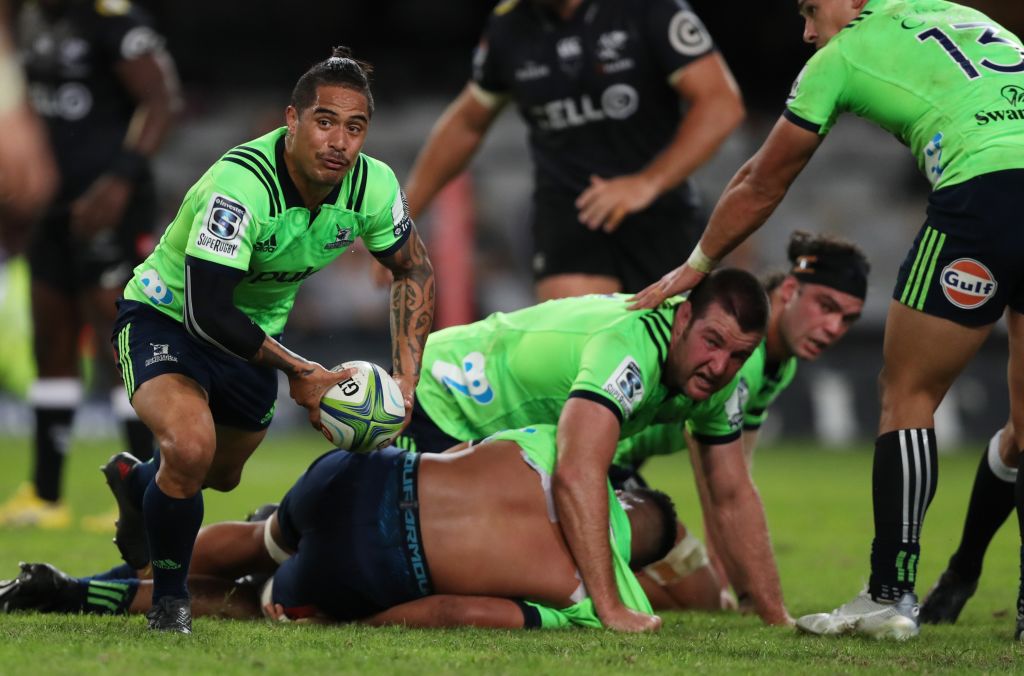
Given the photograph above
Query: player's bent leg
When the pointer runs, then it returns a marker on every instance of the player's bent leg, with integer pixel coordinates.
(234, 446)
(684, 579)
(175, 408)
(923, 355)
(575, 284)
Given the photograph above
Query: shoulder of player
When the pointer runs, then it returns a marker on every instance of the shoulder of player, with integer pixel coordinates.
(248, 172)
(372, 187)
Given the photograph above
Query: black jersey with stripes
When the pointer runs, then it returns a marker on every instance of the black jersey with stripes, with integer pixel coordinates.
(70, 61)
(245, 213)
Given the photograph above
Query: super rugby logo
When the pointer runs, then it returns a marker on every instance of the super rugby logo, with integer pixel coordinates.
(226, 220)
(967, 283)
(626, 385)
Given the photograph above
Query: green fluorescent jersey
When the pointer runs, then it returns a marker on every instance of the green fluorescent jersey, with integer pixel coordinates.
(943, 78)
(762, 383)
(759, 385)
(246, 213)
(518, 369)
(539, 450)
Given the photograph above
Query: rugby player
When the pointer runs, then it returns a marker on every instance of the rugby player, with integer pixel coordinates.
(601, 373)
(945, 80)
(100, 78)
(602, 86)
(813, 305)
(195, 332)
(468, 537)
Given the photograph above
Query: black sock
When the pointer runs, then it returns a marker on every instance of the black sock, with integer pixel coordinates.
(140, 439)
(904, 477)
(108, 597)
(53, 431)
(991, 503)
(140, 478)
(171, 525)
(120, 572)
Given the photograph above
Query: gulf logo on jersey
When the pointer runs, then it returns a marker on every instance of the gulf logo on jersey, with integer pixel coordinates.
(967, 283)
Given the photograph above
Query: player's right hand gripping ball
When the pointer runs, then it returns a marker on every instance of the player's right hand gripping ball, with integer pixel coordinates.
(363, 413)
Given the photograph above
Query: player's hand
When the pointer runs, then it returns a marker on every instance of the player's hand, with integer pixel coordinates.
(679, 280)
(101, 207)
(380, 275)
(308, 385)
(625, 619)
(28, 174)
(407, 384)
(607, 201)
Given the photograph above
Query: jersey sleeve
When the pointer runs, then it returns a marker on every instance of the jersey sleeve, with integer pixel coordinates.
(659, 439)
(124, 31)
(615, 372)
(676, 35)
(755, 411)
(388, 223)
(815, 101)
(487, 72)
(717, 419)
(229, 206)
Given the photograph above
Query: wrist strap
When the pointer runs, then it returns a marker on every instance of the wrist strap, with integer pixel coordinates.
(700, 261)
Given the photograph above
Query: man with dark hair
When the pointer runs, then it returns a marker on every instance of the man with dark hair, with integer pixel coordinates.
(813, 305)
(939, 76)
(99, 76)
(467, 537)
(601, 373)
(195, 333)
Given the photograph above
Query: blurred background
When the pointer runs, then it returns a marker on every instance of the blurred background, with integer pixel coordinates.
(238, 61)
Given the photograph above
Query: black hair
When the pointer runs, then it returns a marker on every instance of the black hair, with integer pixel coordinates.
(340, 70)
(667, 510)
(738, 293)
(821, 245)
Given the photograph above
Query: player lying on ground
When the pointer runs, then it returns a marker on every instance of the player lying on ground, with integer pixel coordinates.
(468, 537)
(813, 304)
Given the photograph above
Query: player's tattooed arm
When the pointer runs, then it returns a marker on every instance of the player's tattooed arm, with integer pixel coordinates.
(307, 380)
(412, 310)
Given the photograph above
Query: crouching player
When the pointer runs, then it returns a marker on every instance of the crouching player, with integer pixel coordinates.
(468, 537)
(813, 305)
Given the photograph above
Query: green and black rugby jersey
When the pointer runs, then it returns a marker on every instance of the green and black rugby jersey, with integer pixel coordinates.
(246, 213)
(518, 369)
(945, 79)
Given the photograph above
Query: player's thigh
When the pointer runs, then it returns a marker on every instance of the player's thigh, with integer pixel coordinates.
(56, 326)
(564, 246)
(574, 284)
(234, 447)
(651, 243)
(922, 356)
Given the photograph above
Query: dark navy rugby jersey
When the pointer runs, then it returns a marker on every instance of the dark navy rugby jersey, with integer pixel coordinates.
(594, 90)
(69, 61)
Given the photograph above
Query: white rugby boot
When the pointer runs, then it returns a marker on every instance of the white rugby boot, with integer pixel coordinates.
(867, 617)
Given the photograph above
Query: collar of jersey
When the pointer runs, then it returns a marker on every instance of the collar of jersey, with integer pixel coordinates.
(292, 198)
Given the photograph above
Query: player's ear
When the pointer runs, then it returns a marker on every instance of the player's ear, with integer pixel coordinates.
(682, 321)
(788, 288)
(291, 119)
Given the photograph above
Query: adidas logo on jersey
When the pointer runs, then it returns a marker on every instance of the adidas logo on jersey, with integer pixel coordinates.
(268, 245)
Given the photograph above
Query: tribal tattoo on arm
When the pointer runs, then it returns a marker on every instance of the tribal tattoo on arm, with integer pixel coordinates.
(412, 304)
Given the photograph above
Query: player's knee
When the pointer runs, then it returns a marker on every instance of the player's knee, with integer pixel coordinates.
(185, 459)
(224, 481)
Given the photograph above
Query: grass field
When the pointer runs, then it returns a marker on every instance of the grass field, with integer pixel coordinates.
(818, 506)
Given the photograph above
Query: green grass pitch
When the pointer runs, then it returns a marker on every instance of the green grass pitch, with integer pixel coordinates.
(818, 505)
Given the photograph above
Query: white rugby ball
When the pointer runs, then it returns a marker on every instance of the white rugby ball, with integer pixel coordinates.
(364, 412)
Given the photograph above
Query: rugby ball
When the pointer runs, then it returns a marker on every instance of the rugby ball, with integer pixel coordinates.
(364, 412)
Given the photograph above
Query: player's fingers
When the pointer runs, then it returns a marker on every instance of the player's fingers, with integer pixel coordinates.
(341, 376)
(615, 218)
